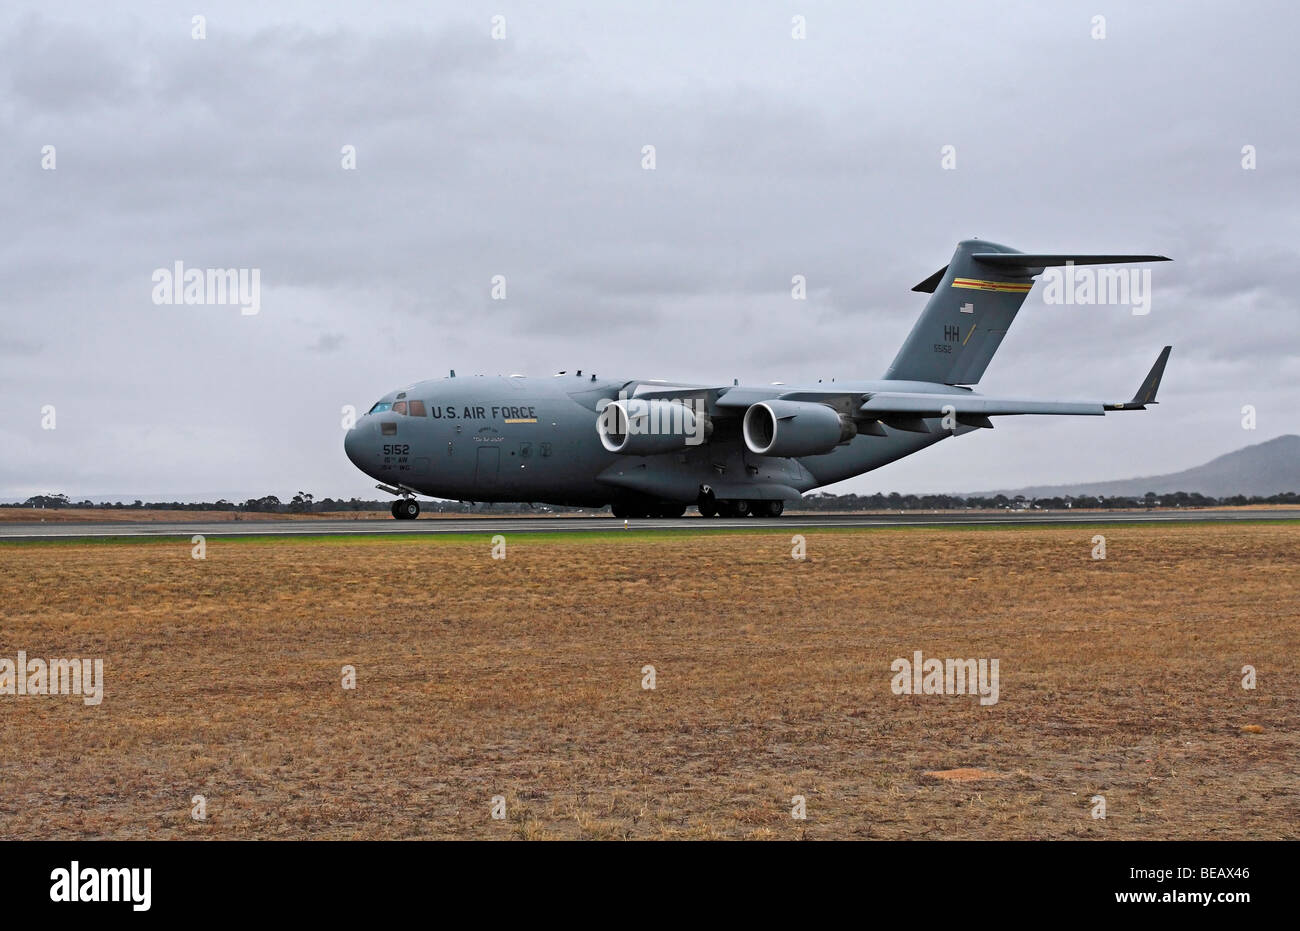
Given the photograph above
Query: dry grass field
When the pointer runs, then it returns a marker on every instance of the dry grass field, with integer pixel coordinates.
(522, 678)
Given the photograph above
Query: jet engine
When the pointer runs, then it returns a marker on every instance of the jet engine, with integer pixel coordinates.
(638, 427)
(795, 428)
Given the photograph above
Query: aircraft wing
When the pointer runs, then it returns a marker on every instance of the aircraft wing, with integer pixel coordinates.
(907, 409)
(936, 405)
(907, 406)
(882, 404)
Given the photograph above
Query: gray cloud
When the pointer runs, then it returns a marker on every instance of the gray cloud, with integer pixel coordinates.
(522, 158)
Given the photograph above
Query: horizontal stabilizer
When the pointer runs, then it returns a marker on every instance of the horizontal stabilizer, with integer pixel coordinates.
(1020, 262)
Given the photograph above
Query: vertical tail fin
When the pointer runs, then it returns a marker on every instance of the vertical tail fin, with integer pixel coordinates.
(964, 322)
(976, 297)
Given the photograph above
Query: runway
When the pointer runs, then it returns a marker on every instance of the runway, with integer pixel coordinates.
(541, 525)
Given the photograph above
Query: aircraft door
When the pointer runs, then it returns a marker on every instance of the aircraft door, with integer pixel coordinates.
(488, 467)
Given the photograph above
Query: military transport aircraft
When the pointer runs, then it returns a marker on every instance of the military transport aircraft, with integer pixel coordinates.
(653, 449)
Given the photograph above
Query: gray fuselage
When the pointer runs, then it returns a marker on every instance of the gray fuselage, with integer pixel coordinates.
(495, 438)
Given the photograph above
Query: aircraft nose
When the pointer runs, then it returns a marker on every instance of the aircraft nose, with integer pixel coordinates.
(352, 446)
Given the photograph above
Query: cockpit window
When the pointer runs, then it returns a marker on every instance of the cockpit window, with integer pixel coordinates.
(409, 408)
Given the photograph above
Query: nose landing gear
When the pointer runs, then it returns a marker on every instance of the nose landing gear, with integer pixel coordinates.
(406, 509)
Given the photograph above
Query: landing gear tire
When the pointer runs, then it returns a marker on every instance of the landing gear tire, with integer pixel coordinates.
(406, 509)
(707, 502)
(768, 508)
(734, 508)
(619, 510)
(670, 509)
(393, 509)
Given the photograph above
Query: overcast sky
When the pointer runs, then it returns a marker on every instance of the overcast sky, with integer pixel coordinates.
(522, 157)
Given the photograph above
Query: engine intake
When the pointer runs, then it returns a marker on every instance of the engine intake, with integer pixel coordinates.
(795, 428)
(636, 427)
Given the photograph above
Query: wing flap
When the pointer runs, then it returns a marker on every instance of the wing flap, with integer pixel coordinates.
(742, 397)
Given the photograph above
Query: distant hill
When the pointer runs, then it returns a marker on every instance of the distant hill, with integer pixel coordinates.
(1264, 469)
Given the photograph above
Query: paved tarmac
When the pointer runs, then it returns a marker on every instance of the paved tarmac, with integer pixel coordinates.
(491, 525)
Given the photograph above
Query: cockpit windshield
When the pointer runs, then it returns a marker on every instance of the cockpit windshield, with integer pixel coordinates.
(410, 408)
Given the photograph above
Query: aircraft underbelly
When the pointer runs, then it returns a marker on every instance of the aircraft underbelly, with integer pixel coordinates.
(865, 453)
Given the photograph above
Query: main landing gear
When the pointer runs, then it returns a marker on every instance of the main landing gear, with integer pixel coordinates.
(406, 509)
(741, 508)
(709, 505)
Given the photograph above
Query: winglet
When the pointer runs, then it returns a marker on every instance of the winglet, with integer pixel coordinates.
(1146, 394)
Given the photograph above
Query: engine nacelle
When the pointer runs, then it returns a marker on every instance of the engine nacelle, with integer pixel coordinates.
(638, 427)
(795, 428)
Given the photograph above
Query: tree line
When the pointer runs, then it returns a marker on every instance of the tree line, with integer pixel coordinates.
(304, 503)
(898, 502)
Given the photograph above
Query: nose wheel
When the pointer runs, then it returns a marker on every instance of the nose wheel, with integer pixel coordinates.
(406, 509)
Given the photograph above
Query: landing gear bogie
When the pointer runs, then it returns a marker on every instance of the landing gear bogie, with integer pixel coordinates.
(741, 508)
